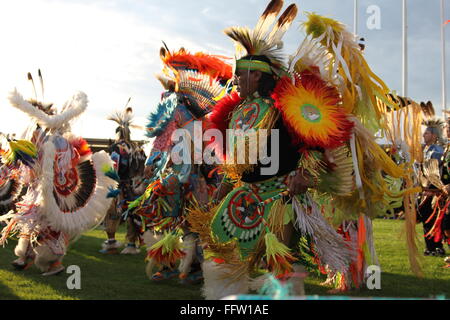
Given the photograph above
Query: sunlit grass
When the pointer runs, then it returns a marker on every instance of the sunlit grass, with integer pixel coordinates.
(122, 277)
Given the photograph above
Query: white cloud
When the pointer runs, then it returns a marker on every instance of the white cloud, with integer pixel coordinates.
(100, 49)
(110, 48)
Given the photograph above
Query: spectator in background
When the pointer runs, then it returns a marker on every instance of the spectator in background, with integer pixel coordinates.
(432, 137)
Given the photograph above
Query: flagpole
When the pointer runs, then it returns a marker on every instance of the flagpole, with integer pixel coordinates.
(444, 86)
(405, 53)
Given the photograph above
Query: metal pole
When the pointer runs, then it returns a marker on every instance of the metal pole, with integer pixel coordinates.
(405, 52)
(355, 18)
(444, 87)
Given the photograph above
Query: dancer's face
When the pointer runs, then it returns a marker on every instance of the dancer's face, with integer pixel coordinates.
(429, 137)
(247, 82)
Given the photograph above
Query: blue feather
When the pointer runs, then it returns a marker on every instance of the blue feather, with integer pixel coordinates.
(112, 174)
(112, 193)
(25, 158)
(158, 120)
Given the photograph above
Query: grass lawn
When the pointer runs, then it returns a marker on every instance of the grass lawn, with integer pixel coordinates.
(122, 277)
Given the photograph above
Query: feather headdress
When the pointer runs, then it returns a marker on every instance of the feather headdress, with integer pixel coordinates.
(264, 40)
(428, 109)
(125, 120)
(434, 123)
(167, 83)
(71, 109)
(200, 88)
(44, 114)
(198, 77)
(212, 65)
(436, 126)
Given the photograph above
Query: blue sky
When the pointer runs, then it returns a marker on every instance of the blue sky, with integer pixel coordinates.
(109, 48)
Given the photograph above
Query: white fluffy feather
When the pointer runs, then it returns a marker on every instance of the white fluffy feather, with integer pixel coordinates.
(72, 108)
(217, 283)
(92, 213)
(329, 245)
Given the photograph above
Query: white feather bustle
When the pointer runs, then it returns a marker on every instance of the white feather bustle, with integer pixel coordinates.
(217, 283)
(83, 219)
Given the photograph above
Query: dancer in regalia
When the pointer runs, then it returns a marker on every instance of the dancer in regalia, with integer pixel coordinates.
(66, 184)
(433, 204)
(129, 160)
(314, 120)
(178, 179)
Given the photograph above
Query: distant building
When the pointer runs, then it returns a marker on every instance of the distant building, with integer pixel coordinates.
(97, 144)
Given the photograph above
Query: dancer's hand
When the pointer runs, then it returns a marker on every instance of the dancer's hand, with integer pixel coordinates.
(299, 182)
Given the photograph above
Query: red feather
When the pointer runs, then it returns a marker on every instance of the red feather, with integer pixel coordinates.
(81, 146)
(213, 65)
(219, 118)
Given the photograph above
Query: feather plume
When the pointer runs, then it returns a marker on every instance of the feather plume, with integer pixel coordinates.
(434, 123)
(283, 24)
(42, 82)
(167, 83)
(428, 109)
(72, 109)
(261, 42)
(30, 77)
(122, 118)
(268, 18)
(212, 65)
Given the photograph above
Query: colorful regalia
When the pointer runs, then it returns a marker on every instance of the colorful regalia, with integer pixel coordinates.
(324, 107)
(129, 160)
(66, 184)
(433, 175)
(193, 82)
(10, 185)
(404, 117)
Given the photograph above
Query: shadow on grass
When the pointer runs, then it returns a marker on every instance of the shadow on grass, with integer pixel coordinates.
(392, 286)
(104, 277)
(7, 294)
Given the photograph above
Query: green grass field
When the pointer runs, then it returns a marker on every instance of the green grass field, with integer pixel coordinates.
(119, 277)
